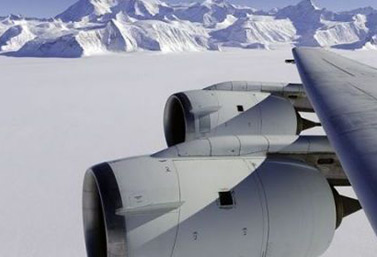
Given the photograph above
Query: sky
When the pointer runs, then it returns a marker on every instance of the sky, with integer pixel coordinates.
(50, 8)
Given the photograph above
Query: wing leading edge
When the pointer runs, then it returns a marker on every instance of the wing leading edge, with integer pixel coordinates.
(344, 95)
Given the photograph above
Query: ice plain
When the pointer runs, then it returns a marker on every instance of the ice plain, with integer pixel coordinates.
(60, 116)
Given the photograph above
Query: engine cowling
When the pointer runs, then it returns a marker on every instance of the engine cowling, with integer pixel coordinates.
(206, 113)
(153, 207)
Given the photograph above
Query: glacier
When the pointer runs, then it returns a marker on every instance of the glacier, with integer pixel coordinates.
(97, 27)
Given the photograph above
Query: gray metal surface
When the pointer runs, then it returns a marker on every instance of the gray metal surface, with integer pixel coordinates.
(172, 207)
(313, 150)
(344, 95)
(255, 145)
(104, 229)
(294, 92)
(203, 113)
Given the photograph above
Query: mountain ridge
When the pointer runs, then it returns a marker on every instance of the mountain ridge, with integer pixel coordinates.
(93, 27)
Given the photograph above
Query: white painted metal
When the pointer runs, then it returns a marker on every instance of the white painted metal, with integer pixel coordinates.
(146, 182)
(256, 86)
(248, 146)
(232, 122)
(294, 92)
(301, 209)
(171, 207)
(205, 113)
(205, 229)
(306, 145)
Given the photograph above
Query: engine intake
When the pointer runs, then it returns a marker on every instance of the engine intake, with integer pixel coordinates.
(104, 230)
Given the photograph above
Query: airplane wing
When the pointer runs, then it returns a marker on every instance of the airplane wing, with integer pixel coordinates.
(344, 95)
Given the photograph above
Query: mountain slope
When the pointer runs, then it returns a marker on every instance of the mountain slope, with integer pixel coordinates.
(263, 30)
(94, 10)
(15, 37)
(211, 12)
(92, 27)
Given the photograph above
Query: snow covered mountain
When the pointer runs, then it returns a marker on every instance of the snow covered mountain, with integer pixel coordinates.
(92, 27)
(104, 10)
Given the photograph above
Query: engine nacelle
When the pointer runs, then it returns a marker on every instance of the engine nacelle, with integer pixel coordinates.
(206, 113)
(154, 207)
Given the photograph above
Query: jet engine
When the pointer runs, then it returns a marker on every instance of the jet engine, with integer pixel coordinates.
(154, 207)
(206, 113)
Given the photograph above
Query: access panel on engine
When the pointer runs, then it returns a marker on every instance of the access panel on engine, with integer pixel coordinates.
(207, 228)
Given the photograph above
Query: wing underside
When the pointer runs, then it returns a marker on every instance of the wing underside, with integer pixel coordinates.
(344, 95)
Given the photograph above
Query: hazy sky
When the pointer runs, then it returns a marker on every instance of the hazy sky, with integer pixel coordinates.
(49, 8)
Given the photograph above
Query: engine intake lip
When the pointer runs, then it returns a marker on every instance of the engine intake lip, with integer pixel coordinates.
(178, 120)
(104, 230)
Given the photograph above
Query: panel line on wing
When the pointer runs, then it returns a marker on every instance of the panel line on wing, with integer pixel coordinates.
(363, 91)
(337, 67)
